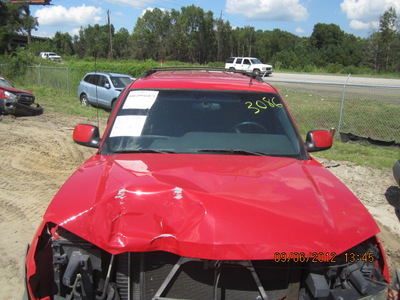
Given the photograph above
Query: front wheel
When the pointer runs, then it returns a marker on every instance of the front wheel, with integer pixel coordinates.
(256, 72)
(84, 100)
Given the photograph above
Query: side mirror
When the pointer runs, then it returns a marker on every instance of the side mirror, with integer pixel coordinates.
(87, 135)
(107, 85)
(318, 140)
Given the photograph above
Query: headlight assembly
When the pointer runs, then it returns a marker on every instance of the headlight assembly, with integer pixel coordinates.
(10, 96)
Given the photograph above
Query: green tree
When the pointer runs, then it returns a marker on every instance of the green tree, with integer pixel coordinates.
(388, 39)
(122, 44)
(93, 41)
(325, 35)
(63, 43)
(179, 40)
(383, 46)
(286, 59)
(244, 41)
(196, 28)
(14, 19)
(151, 35)
(223, 40)
(327, 40)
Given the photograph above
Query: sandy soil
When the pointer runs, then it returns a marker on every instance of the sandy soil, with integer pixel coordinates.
(38, 155)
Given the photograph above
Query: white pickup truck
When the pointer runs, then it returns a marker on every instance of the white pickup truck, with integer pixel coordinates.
(50, 55)
(248, 64)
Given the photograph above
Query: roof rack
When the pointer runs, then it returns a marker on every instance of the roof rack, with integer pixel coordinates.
(210, 69)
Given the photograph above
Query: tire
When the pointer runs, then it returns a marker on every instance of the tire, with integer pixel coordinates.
(84, 100)
(231, 69)
(256, 72)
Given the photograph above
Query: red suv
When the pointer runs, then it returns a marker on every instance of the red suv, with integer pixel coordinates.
(202, 188)
(17, 102)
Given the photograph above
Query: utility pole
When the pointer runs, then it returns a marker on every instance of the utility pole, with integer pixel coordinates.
(110, 53)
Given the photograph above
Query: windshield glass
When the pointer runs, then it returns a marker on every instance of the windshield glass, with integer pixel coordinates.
(256, 61)
(120, 82)
(4, 82)
(193, 121)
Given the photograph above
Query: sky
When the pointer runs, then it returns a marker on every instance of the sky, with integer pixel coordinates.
(358, 17)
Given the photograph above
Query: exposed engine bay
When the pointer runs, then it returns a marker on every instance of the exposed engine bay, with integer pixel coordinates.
(80, 270)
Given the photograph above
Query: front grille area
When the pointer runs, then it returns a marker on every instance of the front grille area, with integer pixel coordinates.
(83, 271)
(25, 98)
(160, 275)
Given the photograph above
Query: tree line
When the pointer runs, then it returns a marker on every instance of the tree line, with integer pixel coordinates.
(194, 36)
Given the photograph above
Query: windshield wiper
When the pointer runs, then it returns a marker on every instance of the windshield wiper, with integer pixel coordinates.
(144, 151)
(232, 151)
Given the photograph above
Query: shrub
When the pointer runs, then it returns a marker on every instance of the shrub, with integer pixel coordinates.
(334, 68)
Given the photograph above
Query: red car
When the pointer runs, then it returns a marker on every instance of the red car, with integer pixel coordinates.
(202, 188)
(17, 102)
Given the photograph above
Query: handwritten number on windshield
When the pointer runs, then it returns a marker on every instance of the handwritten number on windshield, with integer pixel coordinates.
(264, 103)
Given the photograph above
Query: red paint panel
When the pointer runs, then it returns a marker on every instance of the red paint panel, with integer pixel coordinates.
(83, 133)
(210, 206)
(322, 138)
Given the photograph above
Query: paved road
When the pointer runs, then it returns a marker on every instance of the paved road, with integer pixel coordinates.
(331, 79)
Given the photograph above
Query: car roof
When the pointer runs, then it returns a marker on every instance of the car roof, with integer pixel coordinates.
(107, 74)
(243, 57)
(201, 78)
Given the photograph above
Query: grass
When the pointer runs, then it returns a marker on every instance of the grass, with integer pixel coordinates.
(367, 111)
(362, 154)
(54, 100)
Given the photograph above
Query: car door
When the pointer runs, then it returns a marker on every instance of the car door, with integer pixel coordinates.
(104, 91)
(246, 65)
(238, 64)
(91, 88)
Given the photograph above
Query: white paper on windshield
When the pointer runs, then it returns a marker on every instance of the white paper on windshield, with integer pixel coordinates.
(128, 126)
(140, 99)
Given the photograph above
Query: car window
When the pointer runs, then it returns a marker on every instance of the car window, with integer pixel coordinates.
(230, 60)
(4, 82)
(103, 81)
(95, 79)
(239, 61)
(256, 61)
(120, 81)
(88, 78)
(192, 121)
(246, 62)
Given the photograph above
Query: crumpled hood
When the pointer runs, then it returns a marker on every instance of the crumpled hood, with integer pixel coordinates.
(14, 90)
(210, 206)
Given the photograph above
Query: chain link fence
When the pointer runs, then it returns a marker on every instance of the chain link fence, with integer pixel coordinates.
(356, 112)
(364, 112)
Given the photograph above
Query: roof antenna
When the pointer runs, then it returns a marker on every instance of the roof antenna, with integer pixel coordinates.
(251, 80)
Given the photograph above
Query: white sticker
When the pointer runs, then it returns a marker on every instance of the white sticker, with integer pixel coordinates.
(140, 99)
(128, 126)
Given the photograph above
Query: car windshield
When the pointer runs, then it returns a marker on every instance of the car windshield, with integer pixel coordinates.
(256, 61)
(4, 82)
(207, 122)
(120, 82)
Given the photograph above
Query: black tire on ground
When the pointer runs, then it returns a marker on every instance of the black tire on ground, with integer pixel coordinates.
(84, 100)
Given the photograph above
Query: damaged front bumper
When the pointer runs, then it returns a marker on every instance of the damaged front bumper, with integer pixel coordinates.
(17, 109)
(61, 265)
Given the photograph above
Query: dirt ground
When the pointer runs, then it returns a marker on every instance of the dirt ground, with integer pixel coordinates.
(38, 155)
